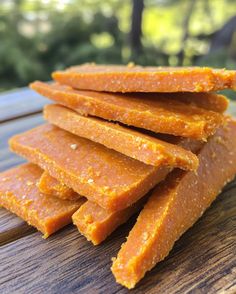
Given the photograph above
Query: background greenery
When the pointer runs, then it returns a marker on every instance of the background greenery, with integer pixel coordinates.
(37, 37)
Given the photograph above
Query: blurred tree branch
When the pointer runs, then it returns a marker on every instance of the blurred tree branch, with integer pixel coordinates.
(136, 28)
(185, 26)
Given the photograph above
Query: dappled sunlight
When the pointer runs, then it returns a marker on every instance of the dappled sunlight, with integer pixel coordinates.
(42, 36)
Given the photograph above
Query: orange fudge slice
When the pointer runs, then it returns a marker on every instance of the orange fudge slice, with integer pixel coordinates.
(118, 78)
(129, 142)
(158, 115)
(93, 221)
(104, 176)
(96, 223)
(19, 194)
(51, 186)
(175, 206)
(208, 101)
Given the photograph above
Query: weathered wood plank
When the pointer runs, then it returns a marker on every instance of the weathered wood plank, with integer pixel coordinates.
(12, 227)
(20, 102)
(8, 129)
(6, 220)
(202, 261)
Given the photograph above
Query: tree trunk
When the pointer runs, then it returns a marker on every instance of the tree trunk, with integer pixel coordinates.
(223, 37)
(136, 27)
(185, 26)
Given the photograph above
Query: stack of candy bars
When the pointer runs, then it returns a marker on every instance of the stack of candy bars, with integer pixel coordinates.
(123, 140)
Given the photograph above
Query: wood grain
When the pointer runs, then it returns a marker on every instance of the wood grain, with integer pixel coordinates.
(19, 103)
(8, 129)
(202, 261)
(8, 220)
(12, 227)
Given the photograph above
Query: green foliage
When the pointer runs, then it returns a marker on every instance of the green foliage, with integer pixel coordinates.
(64, 39)
(37, 37)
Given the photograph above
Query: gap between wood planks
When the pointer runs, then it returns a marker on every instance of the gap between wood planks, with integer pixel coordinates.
(20, 116)
(16, 233)
(20, 103)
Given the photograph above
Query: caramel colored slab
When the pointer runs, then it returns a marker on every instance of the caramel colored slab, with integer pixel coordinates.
(93, 221)
(158, 115)
(96, 223)
(124, 140)
(104, 176)
(175, 206)
(130, 78)
(208, 101)
(19, 194)
(51, 186)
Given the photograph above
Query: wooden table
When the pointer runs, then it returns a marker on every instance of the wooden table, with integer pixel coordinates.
(202, 261)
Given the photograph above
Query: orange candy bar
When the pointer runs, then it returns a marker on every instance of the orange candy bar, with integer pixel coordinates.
(51, 186)
(124, 140)
(93, 221)
(209, 101)
(158, 115)
(96, 223)
(104, 176)
(118, 78)
(19, 194)
(175, 206)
